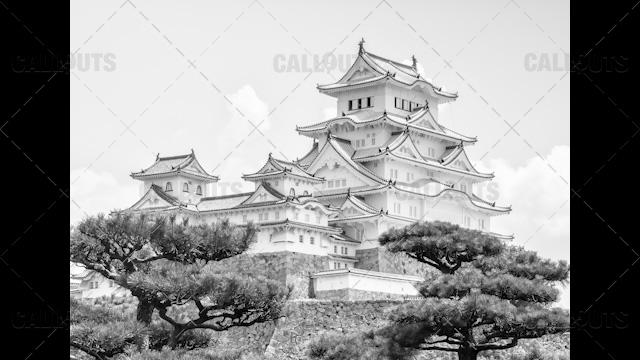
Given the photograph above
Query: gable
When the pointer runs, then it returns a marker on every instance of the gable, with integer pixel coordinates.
(151, 200)
(359, 71)
(260, 195)
(331, 165)
(349, 210)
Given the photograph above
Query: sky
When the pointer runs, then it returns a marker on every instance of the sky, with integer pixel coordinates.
(152, 77)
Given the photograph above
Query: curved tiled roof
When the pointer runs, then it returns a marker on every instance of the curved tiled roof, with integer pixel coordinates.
(370, 117)
(282, 167)
(366, 190)
(387, 70)
(174, 164)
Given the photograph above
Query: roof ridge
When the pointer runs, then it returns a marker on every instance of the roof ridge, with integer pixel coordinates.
(174, 157)
(225, 196)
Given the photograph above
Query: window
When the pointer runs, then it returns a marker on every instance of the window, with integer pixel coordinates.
(408, 177)
(359, 234)
(398, 103)
(350, 105)
(335, 249)
(306, 217)
(373, 139)
(244, 218)
(199, 190)
(292, 192)
(339, 265)
(359, 103)
(345, 266)
(295, 216)
(260, 217)
(276, 183)
(396, 208)
(311, 240)
(168, 187)
(375, 164)
(266, 216)
(301, 238)
(344, 182)
(185, 187)
(463, 187)
(305, 192)
(277, 214)
(432, 152)
(480, 224)
(330, 184)
(405, 105)
(318, 219)
(395, 173)
(346, 250)
(335, 265)
(369, 102)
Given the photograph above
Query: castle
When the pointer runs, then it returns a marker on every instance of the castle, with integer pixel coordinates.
(383, 161)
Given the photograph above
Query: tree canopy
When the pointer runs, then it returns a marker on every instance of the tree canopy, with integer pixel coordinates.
(488, 296)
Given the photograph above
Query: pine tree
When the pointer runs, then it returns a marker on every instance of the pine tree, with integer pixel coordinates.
(167, 263)
(488, 296)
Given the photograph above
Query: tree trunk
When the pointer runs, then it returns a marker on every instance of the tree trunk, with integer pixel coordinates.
(467, 354)
(173, 339)
(145, 311)
(144, 315)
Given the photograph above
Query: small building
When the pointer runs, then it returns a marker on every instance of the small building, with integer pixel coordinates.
(89, 284)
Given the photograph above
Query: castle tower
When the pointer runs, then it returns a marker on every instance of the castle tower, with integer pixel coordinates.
(386, 149)
(383, 161)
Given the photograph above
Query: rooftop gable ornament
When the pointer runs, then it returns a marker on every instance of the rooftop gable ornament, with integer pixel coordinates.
(158, 157)
(343, 113)
(415, 61)
(361, 44)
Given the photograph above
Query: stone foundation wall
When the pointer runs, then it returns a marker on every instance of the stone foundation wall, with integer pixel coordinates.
(355, 294)
(288, 267)
(379, 259)
(304, 320)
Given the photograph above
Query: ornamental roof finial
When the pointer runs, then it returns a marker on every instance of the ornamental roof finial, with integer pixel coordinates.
(343, 113)
(328, 134)
(269, 155)
(348, 192)
(192, 151)
(361, 44)
(415, 61)
(158, 157)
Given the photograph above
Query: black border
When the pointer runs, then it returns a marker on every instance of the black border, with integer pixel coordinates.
(604, 144)
(34, 143)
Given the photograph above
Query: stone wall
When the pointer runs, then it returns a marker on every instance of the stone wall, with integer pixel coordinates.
(288, 267)
(355, 294)
(304, 320)
(379, 259)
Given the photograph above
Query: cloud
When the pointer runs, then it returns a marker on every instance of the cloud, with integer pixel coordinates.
(250, 105)
(94, 192)
(540, 201)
